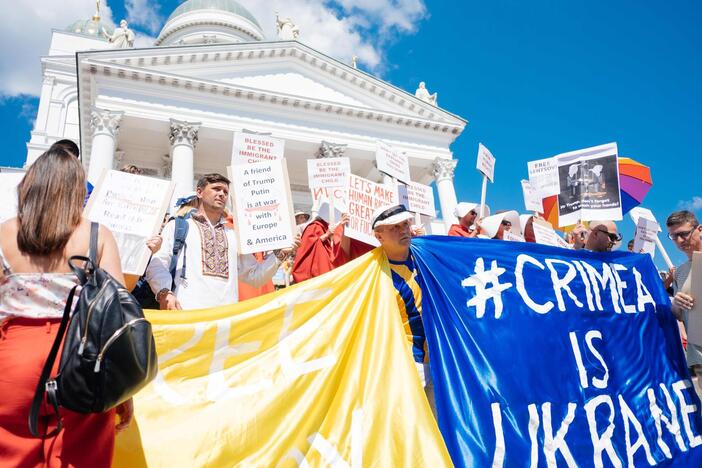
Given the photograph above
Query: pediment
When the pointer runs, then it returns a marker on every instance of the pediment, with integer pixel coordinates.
(288, 69)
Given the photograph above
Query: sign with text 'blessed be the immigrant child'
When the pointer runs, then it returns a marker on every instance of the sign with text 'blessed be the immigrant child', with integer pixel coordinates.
(249, 148)
(262, 206)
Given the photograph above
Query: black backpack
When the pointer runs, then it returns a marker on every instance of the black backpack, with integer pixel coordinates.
(108, 353)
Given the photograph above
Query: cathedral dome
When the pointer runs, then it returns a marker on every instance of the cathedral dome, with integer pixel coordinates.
(209, 21)
(90, 27)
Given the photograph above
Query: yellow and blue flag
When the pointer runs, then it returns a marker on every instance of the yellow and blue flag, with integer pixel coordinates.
(318, 374)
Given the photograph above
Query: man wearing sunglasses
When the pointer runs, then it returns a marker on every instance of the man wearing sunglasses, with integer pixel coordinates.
(602, 236)
(686, 233)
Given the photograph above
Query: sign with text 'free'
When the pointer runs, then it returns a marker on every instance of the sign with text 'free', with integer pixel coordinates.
(554, 357)
(262, 205)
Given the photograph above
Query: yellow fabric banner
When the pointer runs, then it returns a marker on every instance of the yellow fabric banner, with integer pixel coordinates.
(318, 374)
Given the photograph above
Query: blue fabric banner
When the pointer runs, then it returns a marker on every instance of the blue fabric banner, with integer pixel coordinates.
(542, 356)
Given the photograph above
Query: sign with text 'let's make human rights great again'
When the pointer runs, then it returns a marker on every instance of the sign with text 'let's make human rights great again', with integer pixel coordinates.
(542, 356)
(262, 206)
(364, 197)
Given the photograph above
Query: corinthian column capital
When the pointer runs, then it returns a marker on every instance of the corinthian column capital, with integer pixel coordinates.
(443, 168)
(184, 133)
(105, 122)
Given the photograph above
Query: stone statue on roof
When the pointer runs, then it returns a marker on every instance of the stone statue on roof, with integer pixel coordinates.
(423, 94)
(122, 38)
(287, 30)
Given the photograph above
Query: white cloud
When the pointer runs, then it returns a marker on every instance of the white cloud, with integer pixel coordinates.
(694, 204)
(25, 32)
(144, 13)
(362, 28)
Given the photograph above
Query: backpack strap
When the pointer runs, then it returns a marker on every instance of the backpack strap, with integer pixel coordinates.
(180, 233)
(94, 228)
(49, 386)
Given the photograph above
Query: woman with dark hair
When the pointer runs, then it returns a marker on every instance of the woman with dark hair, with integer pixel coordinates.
(35, 280)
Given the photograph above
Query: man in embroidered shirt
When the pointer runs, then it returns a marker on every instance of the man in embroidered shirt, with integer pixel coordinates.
(392, 228)
(209, 266)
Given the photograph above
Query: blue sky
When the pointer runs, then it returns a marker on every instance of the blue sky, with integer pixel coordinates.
(534, 79)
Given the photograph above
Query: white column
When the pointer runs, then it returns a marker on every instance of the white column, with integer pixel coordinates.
(443, 173)
(183, 138)
(105, 127)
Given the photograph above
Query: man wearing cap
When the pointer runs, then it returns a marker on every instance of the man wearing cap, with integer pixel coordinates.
(392, 227)
(466, 214)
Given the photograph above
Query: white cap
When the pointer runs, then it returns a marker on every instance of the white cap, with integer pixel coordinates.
(491, 224)
(390, 214)
(464, 208)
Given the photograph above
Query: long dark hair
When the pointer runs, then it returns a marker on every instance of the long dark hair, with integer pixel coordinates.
(50, 203)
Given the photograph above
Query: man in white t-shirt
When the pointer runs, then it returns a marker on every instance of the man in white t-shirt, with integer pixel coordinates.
(209, 266)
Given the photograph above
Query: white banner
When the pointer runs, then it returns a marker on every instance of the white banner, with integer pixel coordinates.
(328, 172)
(249, 148)
(543, 176)
(418, 198)
(132, 207)
(532, 197)
(263, 209)
(486, 162)
(364, 197)
(589, 185)
(8, 194)
(392, 162)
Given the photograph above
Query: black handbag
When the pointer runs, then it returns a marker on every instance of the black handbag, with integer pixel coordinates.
(109, 352)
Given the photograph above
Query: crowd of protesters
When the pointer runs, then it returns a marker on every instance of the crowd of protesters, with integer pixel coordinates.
(195, 264)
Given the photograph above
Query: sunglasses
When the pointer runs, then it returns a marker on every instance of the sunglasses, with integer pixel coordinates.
(682, 235)
(613, 238)
(506, 224)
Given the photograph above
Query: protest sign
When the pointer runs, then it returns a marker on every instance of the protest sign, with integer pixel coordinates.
(248, 148)
(486, 162)
(418, 198)
(532, 198)
(328, 172)
(8, 194)
(589, 370)
(392, 162)
(336, 196)
(589, 185)
(263, 209)
(132, 207)
(639, 212)
(545, 235)
(512, 237)
(693, 287)
(543, 176)
(645, 239)
(364, 197)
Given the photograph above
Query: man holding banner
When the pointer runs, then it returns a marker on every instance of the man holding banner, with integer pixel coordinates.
(205, 274)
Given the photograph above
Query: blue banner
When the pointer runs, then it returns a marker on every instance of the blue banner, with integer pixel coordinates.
(543, 356)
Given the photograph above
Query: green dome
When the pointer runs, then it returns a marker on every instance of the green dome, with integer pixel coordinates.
(90, 27)
(225, 5)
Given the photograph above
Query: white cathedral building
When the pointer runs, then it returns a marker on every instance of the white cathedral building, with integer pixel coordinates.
(172, 109)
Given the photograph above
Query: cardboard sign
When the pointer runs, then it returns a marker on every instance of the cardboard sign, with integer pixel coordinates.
(543, 176)
(364, 197)
(693, 287)
(532, 197)
(638, 212)
(263, 209)
(132, 207)
(340, 196)
(486, 162)
(249, 148)
(392, 162)
(418, 198)
(545, 235)
(512, 237)
(328, 172)
(645, 239)
(8, 194)
(589, 185)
